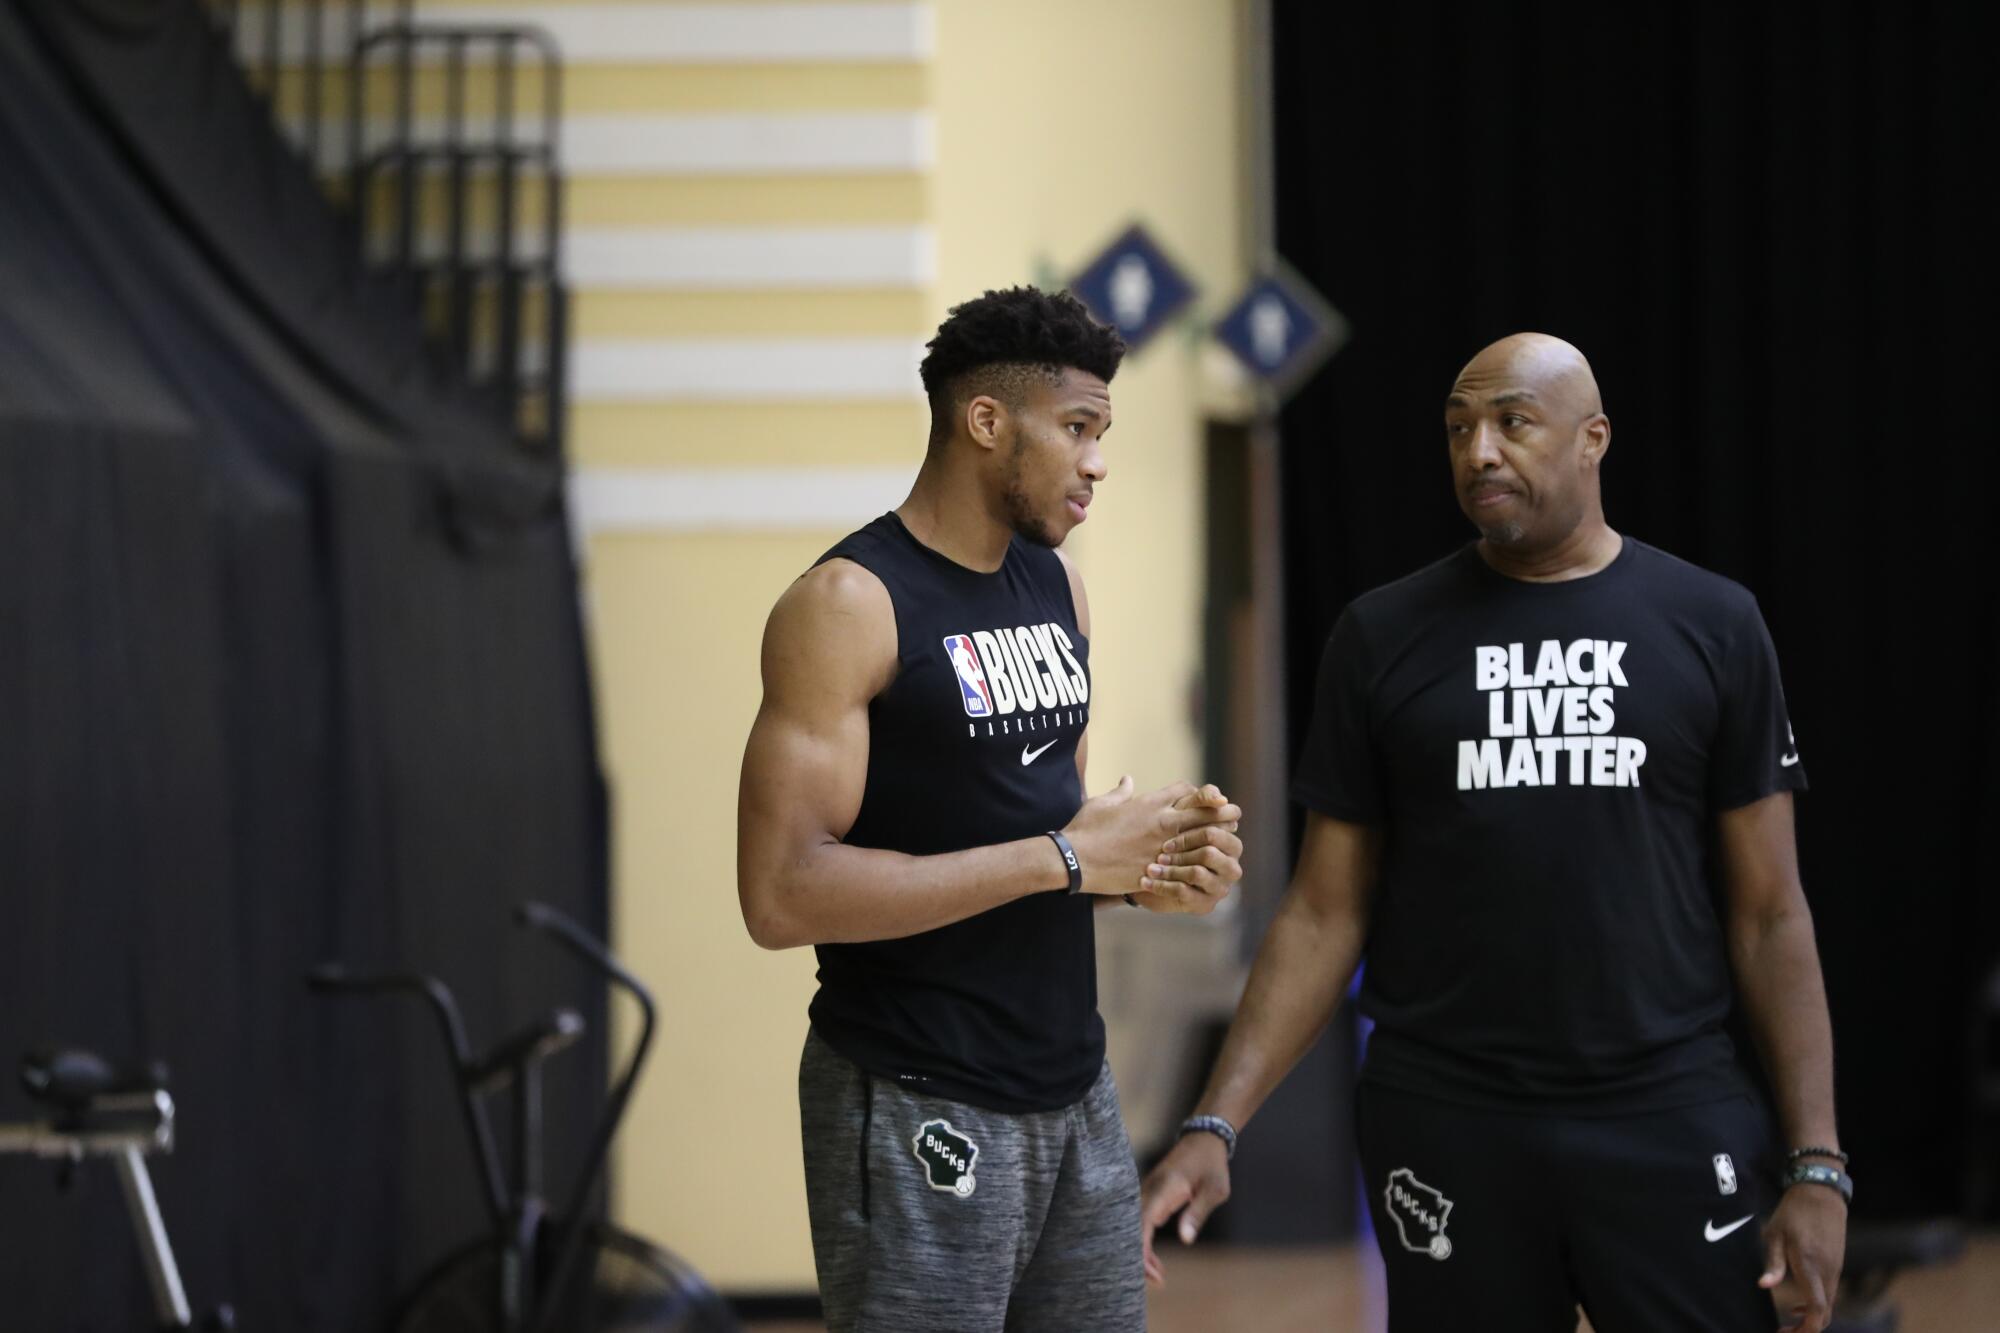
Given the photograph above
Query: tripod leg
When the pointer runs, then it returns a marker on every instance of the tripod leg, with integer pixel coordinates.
(168, 1298)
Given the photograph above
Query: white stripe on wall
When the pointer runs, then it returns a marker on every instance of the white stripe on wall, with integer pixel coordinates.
(716, 258)
(728, 370)
(691, 34)
(703, 143)
(748, 144)
(731, 499)
(749, 257)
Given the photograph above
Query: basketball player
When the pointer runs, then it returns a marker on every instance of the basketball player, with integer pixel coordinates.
(912, 805)
(1549, 790)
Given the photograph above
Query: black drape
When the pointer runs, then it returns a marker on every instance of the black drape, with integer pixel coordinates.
(1759, 224)
(290, 670)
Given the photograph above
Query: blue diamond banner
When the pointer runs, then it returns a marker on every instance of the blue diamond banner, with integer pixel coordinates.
(1281, 330)
(1133, 286)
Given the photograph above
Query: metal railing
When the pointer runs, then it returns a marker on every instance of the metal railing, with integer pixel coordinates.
(486, 285)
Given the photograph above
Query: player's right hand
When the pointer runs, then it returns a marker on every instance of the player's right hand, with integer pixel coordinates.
(1119, 835)
(1192, 1180)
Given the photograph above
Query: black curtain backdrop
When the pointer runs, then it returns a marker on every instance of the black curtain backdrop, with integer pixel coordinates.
(1761, 230)
(290, 670)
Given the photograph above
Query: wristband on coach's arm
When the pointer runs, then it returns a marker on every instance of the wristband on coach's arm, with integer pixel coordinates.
(1069, 860)
(1216, 1125)
(1812, 1173)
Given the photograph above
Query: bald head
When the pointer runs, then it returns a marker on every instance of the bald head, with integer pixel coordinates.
(1537, 364)
(1527, 433)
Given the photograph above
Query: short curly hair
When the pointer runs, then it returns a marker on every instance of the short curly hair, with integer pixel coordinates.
(993, 343)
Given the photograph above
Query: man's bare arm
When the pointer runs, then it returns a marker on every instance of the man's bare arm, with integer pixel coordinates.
(1302, 969)
(1776, 963)
(829, 648)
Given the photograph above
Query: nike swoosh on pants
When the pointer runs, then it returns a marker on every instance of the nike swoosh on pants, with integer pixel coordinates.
(1715, 1233)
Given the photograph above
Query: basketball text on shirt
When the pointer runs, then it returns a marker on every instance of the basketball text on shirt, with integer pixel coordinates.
(1550, 724)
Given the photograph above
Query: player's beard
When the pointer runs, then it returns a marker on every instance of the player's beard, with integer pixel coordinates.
(1509, 533)
(1022, 515)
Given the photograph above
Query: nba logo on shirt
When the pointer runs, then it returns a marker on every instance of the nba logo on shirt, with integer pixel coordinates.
(973, 691)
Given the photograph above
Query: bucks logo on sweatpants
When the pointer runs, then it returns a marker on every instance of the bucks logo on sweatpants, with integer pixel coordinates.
(1419, 1213)
(947, 1156)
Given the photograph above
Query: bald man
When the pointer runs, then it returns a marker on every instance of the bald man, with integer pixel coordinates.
(1548, 785)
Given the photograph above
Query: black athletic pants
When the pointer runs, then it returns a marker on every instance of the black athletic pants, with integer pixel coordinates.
(1508, 1222)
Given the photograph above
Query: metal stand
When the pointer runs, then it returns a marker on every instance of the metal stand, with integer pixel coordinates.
(169, 1299)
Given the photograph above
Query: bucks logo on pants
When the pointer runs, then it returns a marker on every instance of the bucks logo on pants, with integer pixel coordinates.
(947, 1156)
(1419, 1213)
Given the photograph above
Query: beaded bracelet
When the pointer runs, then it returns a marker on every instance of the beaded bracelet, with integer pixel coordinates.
(1835, 1153)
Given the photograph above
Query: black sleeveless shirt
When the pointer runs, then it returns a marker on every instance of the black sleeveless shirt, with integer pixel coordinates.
(973, 743)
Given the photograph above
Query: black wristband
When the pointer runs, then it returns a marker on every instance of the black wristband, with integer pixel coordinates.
(1069, 859)
(1812, 1173)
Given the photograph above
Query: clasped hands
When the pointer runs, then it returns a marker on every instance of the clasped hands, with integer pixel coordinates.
(1173, 850)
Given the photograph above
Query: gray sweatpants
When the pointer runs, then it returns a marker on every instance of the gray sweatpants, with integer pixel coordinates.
(931, 1216)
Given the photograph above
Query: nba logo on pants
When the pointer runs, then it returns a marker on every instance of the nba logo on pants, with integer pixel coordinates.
(973, 690)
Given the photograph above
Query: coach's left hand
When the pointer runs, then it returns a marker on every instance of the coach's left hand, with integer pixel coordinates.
(1806, 1241)
(1197, 868)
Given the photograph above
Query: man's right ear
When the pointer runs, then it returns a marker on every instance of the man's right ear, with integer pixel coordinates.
(985, 420)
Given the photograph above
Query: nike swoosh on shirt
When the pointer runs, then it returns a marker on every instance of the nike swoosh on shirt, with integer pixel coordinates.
(1030, 756)
(1787, 760)
(1715, 1233)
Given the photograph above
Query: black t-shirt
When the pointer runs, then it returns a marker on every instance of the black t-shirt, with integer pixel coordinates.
(1546, 761)
(973, 743)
